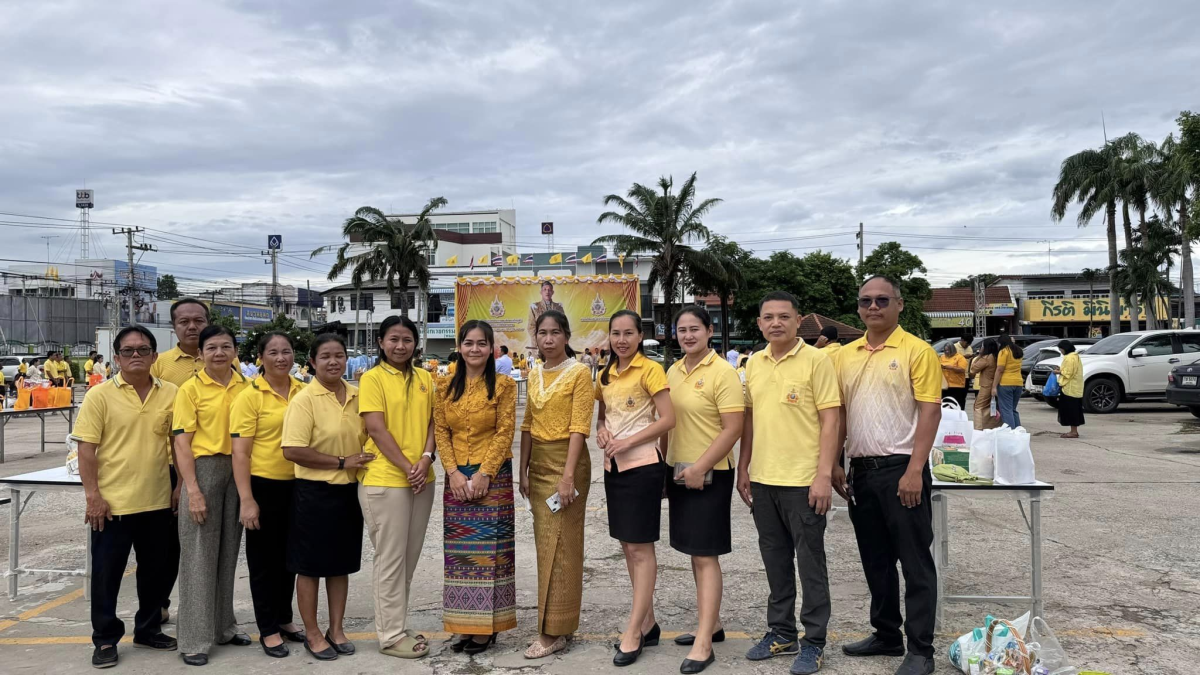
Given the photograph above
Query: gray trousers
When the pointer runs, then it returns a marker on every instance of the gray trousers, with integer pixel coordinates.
(208, 558)
(788, 529)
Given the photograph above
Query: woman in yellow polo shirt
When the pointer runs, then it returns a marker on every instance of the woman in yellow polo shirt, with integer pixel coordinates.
(264, 480)
(323, 436)
(635, 410)
(709, 410)
(396, 490)
(555, 463)
(210, 534)
(475, 418)
(1008, 385)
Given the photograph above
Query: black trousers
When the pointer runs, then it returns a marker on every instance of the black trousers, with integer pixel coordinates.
(144, 533)
(888, 532)
(171, 544)
(271, 585)
(788, 529)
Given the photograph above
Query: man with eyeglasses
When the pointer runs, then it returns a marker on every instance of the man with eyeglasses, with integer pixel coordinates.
(123, 433)
(891, 384)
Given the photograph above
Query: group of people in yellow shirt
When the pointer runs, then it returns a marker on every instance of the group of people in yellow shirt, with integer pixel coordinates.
(304, 468)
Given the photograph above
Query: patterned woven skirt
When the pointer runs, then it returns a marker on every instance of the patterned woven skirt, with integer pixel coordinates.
(480, 593)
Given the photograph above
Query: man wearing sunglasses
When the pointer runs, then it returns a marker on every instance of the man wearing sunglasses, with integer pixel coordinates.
(122, 432)
(891, 385)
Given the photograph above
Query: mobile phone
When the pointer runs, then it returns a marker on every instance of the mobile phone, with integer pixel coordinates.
(554, 502)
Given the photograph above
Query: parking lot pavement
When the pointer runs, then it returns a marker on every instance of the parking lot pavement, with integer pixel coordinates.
(1122, 571)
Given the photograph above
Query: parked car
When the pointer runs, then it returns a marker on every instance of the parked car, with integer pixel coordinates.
(1127, 366)
(1022, 341)
(1183, 386)
(1047, 353)
(10, 364)
(1036, 352)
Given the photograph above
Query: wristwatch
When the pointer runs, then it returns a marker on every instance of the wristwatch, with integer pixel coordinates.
(341, 463)
(428, 454)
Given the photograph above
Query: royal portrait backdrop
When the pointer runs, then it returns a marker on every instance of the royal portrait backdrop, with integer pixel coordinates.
(512, 304)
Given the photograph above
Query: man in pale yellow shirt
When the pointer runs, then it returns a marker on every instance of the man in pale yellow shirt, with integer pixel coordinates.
(828, 341)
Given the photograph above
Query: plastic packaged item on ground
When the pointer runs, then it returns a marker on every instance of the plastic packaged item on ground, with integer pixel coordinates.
(1014, 459)
(974, 643)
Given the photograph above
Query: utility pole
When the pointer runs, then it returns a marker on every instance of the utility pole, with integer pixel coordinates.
(48, 238)
(273, 254)
(861, 246)
(130, 247)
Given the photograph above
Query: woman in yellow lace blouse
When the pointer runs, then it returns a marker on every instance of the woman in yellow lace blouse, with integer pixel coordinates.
(554, 462)
(474, 420)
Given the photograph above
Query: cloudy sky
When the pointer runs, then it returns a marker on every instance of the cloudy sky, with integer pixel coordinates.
(938, 124)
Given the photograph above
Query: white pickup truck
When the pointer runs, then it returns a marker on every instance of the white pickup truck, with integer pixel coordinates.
(1127, 366)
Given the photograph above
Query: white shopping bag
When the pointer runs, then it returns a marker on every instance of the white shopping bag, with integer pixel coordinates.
(1014, 459)
(983, 453)
(955, 429)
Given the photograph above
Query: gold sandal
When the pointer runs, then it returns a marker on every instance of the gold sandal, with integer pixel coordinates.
(537, 651)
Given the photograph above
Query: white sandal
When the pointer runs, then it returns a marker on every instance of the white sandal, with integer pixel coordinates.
(537, 651)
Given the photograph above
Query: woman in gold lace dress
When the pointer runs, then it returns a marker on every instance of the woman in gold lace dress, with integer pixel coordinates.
(474, 420)
(555, 463)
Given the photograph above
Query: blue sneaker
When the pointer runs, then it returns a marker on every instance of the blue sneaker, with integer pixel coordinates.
(772, 645)
(809, 660)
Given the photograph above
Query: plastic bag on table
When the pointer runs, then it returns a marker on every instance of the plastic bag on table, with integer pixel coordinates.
(1014, 459)
(983, 453)
(955, 429)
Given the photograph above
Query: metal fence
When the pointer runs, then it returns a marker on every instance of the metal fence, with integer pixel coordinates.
(31, 324)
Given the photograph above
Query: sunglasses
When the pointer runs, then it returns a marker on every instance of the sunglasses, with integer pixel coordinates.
(881, 301)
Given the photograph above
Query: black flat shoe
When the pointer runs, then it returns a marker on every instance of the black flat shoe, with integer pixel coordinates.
(345, 648)
(279, 651)
(195, 659)
(689, 667)
(239, 640)
(161, 642)
(297, 636)
(653, 636)
(104, 657)
(622, 659)
(457, 647)
(327, 654)
(687, 639)
(873, 646)
(472, 647)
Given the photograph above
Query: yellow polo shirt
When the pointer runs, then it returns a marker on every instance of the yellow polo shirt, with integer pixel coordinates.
(1008, 369)
(87, 366)
(953, 379)
(629, 407)
(257, 413)
(700, 397)
(202, 409)
(50, 370)
(23, 368)
(407, 409)
(131, 436)
(785, 396)
(831, 348)
(177, 366)
(314, 419)
(881, 388)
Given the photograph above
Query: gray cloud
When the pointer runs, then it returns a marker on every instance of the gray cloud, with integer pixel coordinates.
(224, 121)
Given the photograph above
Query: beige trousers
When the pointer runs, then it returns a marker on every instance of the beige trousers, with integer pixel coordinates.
(396, 521)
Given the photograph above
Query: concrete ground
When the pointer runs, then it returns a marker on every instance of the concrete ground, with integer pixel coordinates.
(1122, 572)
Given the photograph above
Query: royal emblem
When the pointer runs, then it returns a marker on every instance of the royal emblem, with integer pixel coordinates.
(423, 389)
(700, 383)
(894, 365)
(793, 396)
(598, 307)
(630, 403)
(496, 311)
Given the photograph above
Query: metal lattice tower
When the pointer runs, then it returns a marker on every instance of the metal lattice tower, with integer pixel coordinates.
(84, 232)
(980, 308)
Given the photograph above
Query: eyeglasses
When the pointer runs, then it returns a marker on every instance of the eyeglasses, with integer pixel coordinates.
(129, 352)
(881, 301)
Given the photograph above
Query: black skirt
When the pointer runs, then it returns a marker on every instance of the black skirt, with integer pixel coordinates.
(634, 499)
(700, 518)
(326, 533)
(1070, 411)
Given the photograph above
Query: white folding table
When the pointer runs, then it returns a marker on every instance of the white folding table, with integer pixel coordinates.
(56, 480)
(1033, 493)
(67, 413)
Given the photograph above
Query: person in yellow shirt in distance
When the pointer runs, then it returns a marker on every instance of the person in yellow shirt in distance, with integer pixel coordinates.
(828, 341)
(954, 372)
(265, 480)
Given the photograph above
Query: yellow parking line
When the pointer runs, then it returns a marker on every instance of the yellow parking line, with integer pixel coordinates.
(47, 606)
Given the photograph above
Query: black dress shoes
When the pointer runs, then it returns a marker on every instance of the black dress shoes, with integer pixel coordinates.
(290, 636)
(690, 667)
(687, 639)
(195, 659)
(873, 646)
(345, 648)
(279, 651)
(622, 659)
(239, 640)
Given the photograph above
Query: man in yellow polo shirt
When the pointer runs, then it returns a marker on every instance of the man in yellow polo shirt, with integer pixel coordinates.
(891, 391)
(122, 432)
(785, 469)
(828, 341)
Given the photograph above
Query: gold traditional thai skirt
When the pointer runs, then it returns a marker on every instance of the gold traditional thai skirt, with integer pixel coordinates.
(558, 536)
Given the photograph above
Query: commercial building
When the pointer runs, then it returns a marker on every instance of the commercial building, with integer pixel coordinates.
(951, 311)
(1067, 305)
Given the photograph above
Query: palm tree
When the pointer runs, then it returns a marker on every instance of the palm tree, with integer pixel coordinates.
(1135, 168)
(1175, 185)
(1141, 271)
(723, 280)
(664, 227)
(1091, 178)
(379, 247)
(1090, 275)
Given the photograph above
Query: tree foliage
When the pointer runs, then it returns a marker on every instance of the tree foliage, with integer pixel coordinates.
(889, 259)
(725, 280)
(301, 339)
(664, 226)
(969, 282)
(216, 318)
(168, 289)
(823, 284)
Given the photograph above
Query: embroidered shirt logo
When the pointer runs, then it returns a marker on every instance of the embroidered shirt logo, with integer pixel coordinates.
(793, 396)
(630, 404)
(700, 383)
(894, 365)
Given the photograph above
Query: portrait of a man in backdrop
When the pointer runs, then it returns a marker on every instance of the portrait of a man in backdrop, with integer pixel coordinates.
(537, 309)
